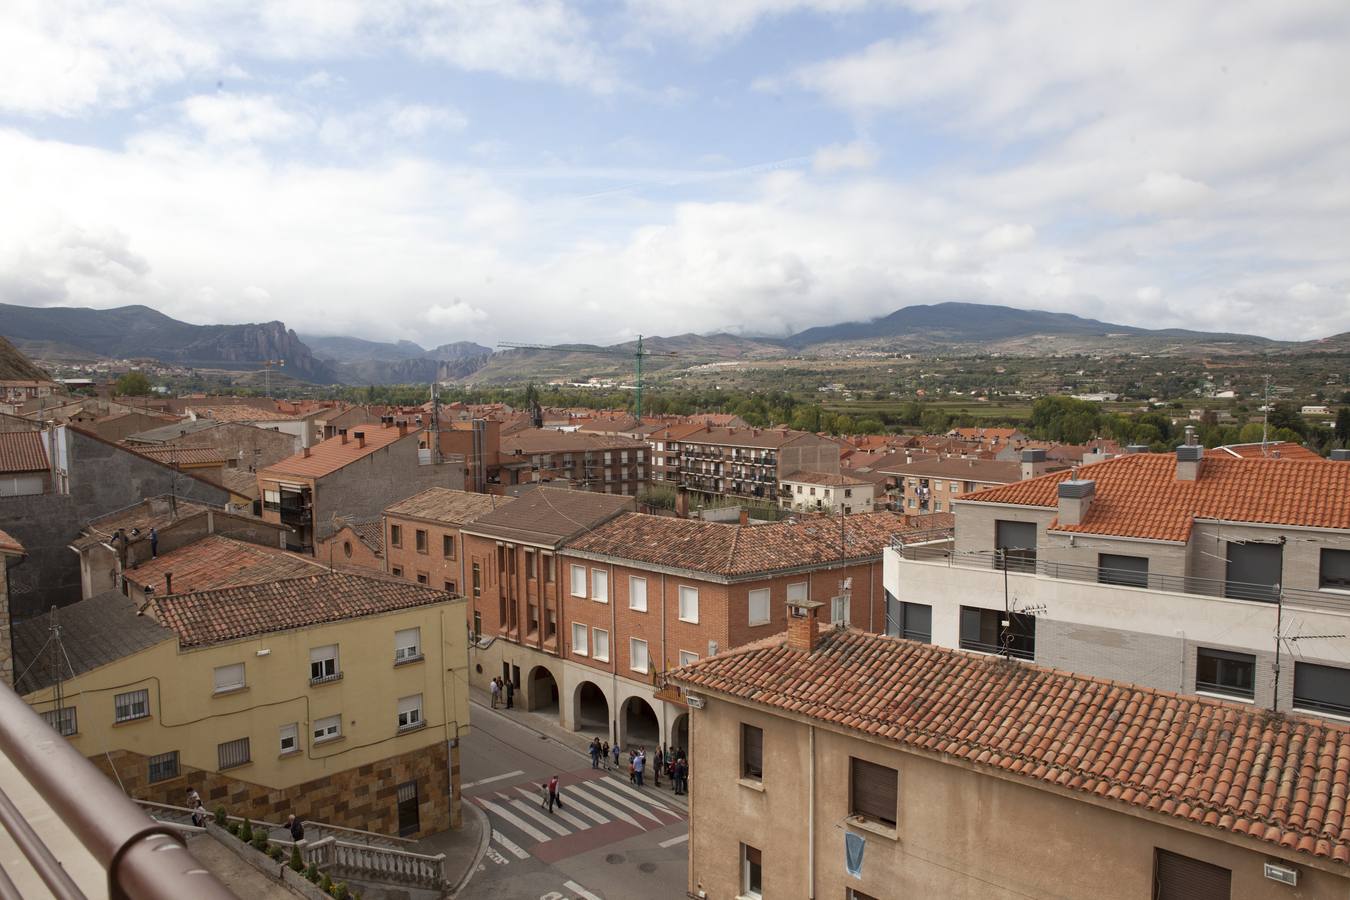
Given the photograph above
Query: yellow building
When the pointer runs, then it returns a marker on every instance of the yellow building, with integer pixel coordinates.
(338, 697)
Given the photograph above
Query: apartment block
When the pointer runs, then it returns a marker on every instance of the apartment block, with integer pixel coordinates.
(831, 494)
(422, 535)
(746, 462)
(592, 462)
(849, 765)
(932, 484)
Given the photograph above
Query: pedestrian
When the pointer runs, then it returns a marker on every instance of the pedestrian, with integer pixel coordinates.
(632, 768)
(639, 763)
(554, 796)
(656, 768)
(616, 754)
(510, 695)
(154, 543)
(295, 827)
(604, 755)
(545, 797)
(595, 753)
(194, 799)
(496, 690)
(199, 815)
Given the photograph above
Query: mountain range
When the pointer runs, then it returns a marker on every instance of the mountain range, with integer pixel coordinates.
(57, 333)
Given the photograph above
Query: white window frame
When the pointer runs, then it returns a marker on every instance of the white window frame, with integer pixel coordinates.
(760, 595)
(600, 585)
(633, 645)
(137, 698)
(599, 636)
(637, 587)
(688, 599)
(579, 647)
(840, 609)
(688, 657)
(291, 731)
(410, 712)
(797, 592)
(408, 644)
(328, 728)
(226, 679)
(322, 657)
(578, 590)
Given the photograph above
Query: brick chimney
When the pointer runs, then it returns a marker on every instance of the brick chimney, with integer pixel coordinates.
(1189, 457)
(402, 429)
(681, 503)
(1033, 463)
(168, 583)
(745, 516)
(360, 438)
(305, 451)
(1075, 496)
(803, 632)
(342, 433)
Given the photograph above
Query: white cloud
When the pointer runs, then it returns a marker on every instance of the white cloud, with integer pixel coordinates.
(1008, 237)
(455, 314)
(710, 21)
(843, 157)
(236, 118)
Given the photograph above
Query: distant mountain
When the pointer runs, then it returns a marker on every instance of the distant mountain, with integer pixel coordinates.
(358, 361)
(132, 332)
(14, 366)
(966, 323)
(350, 349)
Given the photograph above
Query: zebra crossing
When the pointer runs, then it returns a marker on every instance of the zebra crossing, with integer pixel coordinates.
(596, 810)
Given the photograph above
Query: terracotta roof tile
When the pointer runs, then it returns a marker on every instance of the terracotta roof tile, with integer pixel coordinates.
(1207, 761)
(982, 470)
(441, 504)
(371, 534)
(153, 512)
(217, 561)
(1269, 450)
(210, 617)
(1140, 495)
(22, 451)
(185, 456)
(825, 478)
(548, 440)
(328, 456)
(550, 515)
(9, 544)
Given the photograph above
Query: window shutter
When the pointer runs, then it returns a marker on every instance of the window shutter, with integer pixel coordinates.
(752, 751)
(874, 791)
(1182, 878)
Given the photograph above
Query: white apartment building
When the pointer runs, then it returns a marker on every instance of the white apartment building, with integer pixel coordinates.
(825, 492)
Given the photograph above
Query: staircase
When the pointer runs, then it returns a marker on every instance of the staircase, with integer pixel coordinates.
(339, 851)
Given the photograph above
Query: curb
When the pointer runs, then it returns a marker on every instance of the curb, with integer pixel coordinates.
(484, 837)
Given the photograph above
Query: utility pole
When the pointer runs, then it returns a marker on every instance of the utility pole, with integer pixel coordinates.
(638, 356)
(1265, 417)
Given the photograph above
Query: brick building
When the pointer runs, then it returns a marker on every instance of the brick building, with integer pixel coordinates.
(594, 462)
(745, 462)
(421, 535)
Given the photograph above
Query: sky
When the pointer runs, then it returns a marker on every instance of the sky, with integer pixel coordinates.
(439, 170)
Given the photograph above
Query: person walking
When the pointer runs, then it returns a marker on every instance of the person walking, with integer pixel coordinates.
(545, 797)
(496, 689)
(595, 753)
(657, 763)
(154, 544)
(604, 755)
(639, 763)
(295, 827)
(510, 695)
(616, 754)
(553, 796)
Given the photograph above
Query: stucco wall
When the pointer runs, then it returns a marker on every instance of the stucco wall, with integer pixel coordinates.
(365, 487)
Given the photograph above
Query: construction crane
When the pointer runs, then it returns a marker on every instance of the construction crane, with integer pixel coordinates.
(637, 356)
(267, 374)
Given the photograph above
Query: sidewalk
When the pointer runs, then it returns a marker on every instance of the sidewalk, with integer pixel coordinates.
(546, 725)
(463, 847)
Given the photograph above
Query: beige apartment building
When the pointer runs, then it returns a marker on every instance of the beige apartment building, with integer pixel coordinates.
(821, 492)
(970, 778)
(745, 462)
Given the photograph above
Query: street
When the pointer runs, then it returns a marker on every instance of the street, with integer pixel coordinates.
(608, 840)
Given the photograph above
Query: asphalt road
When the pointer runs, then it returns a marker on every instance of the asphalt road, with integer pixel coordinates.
(605, 843)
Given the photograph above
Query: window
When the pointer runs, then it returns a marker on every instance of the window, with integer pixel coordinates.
(449, 587)
(164, 766)
(1177, 877)
(752, 873)
(477, 581)
(323, 664)
(229, 678)
(407, 644)
(328, 728)
(1225, 672)
(396, 571)
(531, 560)
(848, 492)
(62, 720)
(600, 644)
(289, 738)
(600, 585)
(1130, 571)
(873, 791)
(410, 712)
(272, 500)
(688, 604)
(759, 607)
(637, 593)
(1016, 543)
(752, 752)
(916, 622)
(448, 546)
(688, 657)
(1322, 688)
(578, 581)
(858, 895)
(839, 610)
(420, 537)
(579, 639)
(637, 655)
(232, 753)
(547, 564)
(796, 593)
(131, 705)
(1334, 572)
(995, 631)
(422, 578)
(396, 535)
(1253, 571)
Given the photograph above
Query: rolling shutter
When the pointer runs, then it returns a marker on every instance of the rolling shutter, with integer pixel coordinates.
(1182, 878)
(874, 791)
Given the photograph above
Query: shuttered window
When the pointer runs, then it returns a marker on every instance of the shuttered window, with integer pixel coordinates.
(229, 678)
(232, 753)
(1335, 569)
(1178, 877)
(759, 607)
(752, 752)
(873, 791)
(1322, 688)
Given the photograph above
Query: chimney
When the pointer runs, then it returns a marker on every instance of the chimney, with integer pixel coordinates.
(360, 438)
(1189, 458)
(1075, 496)
(305, 451)
(745, 516)
(1340, 455)
(802, 630)
(402, 429)
(1136, 448)
(168, 583)
(681, 503)
(342, 433)
(1033, 463)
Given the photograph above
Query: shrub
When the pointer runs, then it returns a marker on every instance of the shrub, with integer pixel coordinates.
(246, 833)
(260, 842)
(220, 816)
(297, 864)
(340, 891)
(312, 873)
(277, 854)
(233, 828)
(326, 883)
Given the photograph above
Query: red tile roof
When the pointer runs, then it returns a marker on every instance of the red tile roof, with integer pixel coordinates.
(729, 551)
(210, 617)
(10, 544)
(22, 451)
(1244, 771)
(217, 561)
(1140, 495)
(153, 512)
(328, 456)
(185, 456)
(548, 440)
(1270, 450)
(825, 478)
(442, 504)
(983, 470)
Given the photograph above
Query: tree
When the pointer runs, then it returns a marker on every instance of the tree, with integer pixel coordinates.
(132, 384)
(1285, 415)
(1343, 425)
(1251, 433)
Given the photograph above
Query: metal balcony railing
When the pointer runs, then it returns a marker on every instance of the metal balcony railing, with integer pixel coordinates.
(143, 859)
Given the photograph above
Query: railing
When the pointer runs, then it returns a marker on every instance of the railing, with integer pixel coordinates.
(1026, 562)
(379, 863)
(142, 859)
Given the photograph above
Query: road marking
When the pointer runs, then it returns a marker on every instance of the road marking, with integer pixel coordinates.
(673, 841)
(580, 891)
(620, 798)
(574, 803)
(601, 804)
(540, 817)
(482, 781)
(509, 845)
(515, 820)
(615, 783)
(559, 811)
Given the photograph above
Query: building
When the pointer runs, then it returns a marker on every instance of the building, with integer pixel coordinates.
(664, 447)
(1267, 450)
(931, 485)
(646, 594)
(15, 392)
(25, 469)
(212, 562)
(356, 544)
(820, 492)
(352, 475)
(334, 696)
(965, 777)
(591, 462)
(11, 554)
(204, 462)
(1174, 571)
(748, 463)
(422, 537)
(252, 447)
(119, 425)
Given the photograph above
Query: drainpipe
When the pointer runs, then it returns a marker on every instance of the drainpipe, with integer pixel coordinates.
(613, 651)
(810, 815)
(663, 640)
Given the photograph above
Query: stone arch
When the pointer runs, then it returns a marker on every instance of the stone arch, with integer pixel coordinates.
(590, 709)
(541, 691)
(638, 724)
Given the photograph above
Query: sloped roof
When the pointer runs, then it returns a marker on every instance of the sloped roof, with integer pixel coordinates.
(731, 550)
(228, 614)
(824, 478)
(1213, 763)
(1140, 495)
(9, 544)
(186, 456)
(22, 451)
(371, 534)
(442, 504)
(94, 632)
(755, 438)
(172, 430)
(1269, 450)
(548, 440)
(153, 512)
(986, 470)
(217, 561)
(328, 456)
(550, 515)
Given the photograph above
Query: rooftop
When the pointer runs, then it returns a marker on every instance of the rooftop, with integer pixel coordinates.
(547, 440)
(1209, 762)
(229, 614)
(217, 561)
(824, 478)
(1140, 496)
(94, 632)
(240, 413)
(328, 456)
(22, 451)
(9, 544)
(241, 482)
(441, 504)
(371, 534)
(986, 470)
(1268, 450)
(171, 431)
(756, 438)
(732, 550)
(136, 521)
(550, 515)
(186, 456)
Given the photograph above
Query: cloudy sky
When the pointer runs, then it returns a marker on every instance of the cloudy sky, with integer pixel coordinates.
(495, 169)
